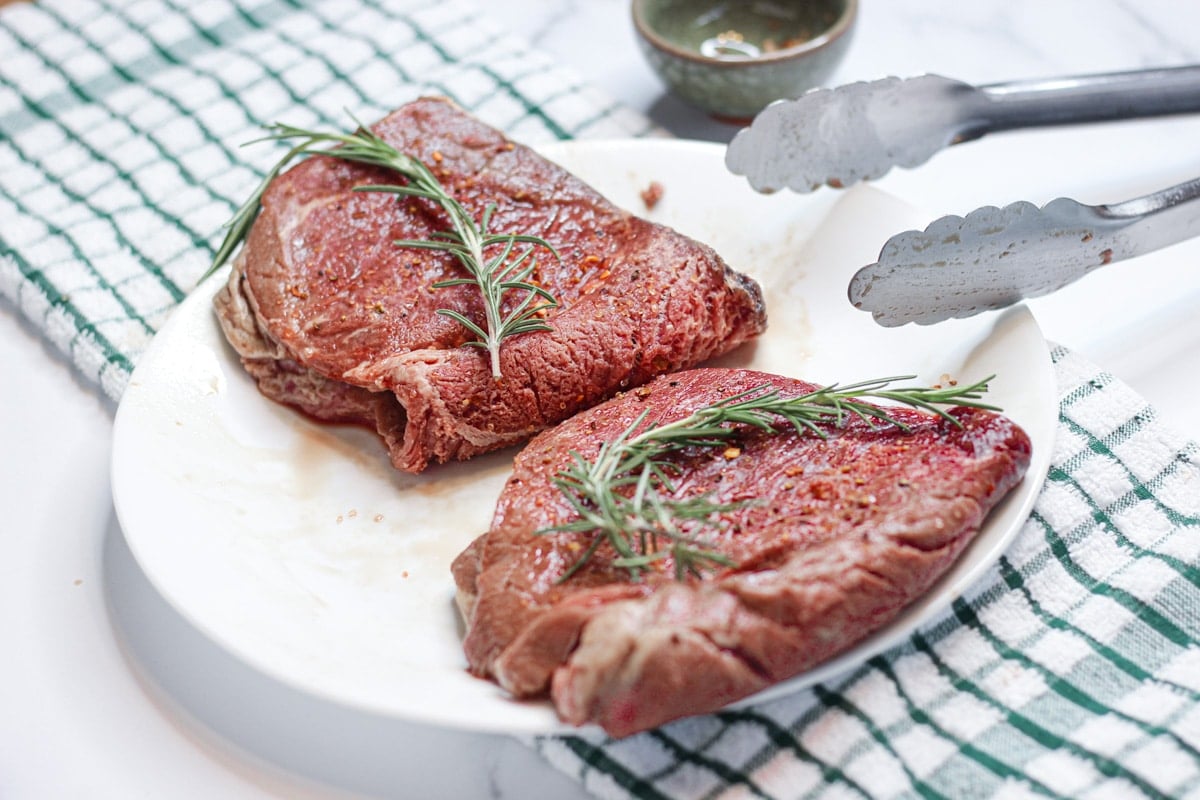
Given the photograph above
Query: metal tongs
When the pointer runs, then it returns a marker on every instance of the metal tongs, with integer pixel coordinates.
(993, 257)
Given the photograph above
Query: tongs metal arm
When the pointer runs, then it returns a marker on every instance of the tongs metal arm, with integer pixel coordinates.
(860, 131)
(1090, 98)
(1165, 217)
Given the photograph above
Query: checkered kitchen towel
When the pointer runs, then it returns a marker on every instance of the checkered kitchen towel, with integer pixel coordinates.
(1072, 669)
(120, 124)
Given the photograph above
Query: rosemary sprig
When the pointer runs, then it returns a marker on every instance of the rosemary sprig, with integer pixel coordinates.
(623, 496)
(468, 241)
(495, 275)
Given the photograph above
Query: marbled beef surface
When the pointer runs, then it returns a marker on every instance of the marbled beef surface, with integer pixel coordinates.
(330, 316)
(839, 535)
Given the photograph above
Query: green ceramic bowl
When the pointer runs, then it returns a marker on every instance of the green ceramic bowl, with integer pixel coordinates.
(733, 57)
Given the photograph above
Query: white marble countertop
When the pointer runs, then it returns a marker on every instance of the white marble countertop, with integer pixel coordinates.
(106, 693)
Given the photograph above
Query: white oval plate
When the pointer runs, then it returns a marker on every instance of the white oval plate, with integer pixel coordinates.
(299, 549)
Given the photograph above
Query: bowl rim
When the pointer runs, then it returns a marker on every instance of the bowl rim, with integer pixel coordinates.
(834, 32)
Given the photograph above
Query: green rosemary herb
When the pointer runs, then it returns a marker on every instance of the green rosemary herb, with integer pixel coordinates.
(622, 497)
(493, 261)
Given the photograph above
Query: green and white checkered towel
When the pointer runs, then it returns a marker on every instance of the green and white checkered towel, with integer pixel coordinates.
(1072, 669)
(120, 126)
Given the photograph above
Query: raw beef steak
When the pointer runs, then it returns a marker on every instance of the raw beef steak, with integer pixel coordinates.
(330, 316)
(839, 535)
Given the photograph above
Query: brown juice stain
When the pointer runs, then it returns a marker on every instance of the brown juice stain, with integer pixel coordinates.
(418, 523)
(322, 448)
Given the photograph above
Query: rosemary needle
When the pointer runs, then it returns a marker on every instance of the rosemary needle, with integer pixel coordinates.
(468, 241)
(622, 497)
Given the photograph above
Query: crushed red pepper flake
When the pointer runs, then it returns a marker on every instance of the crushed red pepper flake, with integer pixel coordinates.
(652, 194)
